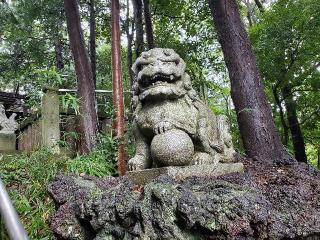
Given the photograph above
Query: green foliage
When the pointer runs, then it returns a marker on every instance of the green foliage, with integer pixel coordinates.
(104, 79)
(286, 44)
(187, 27)
(100, 162)
(34, 100)
(27, 176)
(104, 65)
(314, 155)
(69, 101)
(28, 33)
(50, 75)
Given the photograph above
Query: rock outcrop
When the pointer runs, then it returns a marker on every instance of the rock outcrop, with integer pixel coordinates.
(267, 202)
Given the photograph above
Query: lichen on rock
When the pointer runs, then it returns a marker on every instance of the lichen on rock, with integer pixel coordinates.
(267, 202)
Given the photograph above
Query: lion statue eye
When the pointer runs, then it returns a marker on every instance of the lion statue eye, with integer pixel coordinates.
(139, 68)
(145, 55)
(166, 52)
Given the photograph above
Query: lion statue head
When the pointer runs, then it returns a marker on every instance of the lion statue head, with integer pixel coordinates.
(160, 74)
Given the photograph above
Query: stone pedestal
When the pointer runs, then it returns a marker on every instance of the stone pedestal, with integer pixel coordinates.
(142, 177)
(7, 142)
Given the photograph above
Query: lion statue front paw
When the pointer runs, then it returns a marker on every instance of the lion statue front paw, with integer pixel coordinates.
(162, 127)
(137, 163)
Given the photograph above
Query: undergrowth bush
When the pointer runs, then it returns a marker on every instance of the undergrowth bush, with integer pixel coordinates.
(100, 162)
(26, 177)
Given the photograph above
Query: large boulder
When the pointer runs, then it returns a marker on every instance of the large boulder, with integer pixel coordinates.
(266, 202)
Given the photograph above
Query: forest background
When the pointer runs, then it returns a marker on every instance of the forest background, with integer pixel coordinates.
(35, 52)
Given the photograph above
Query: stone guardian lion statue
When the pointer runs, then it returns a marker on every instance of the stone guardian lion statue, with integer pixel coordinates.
(172, 126)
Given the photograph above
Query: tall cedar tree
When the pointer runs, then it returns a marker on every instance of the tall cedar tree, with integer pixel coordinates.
(118, 101)
(58, 44)
(88, 120)
(148, 24)
(93, 40)
(260, 138)
(138, 22)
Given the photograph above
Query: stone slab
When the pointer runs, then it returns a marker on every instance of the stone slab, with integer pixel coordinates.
(7, 142)
(50, 120)
(142, 177)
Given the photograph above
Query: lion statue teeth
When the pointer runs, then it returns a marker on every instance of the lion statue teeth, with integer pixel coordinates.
(172, 126)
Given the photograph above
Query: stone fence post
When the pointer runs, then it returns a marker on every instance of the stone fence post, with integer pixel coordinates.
(50, 119)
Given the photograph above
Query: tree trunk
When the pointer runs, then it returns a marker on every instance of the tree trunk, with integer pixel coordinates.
(259, 5)
(294, 126)
(139, 44)
(318, 153)
(59, 54)
(249, 18)
(93, 41)
(148, 24)
(282, 119)
(260, 138)
(118, 102)
(129, 39)
(85, 86)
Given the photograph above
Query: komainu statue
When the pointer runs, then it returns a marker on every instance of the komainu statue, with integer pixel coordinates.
(7, 125)
(172, 126)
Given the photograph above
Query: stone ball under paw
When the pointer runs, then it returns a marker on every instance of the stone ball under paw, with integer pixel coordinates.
(172, 148)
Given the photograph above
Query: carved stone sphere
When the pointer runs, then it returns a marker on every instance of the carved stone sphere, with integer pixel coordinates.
(172, 148)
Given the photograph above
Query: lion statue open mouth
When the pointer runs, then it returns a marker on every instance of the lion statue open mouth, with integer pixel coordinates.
(172, 126)
(160, 73)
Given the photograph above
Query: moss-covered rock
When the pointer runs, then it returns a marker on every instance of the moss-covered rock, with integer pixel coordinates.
(264, 203)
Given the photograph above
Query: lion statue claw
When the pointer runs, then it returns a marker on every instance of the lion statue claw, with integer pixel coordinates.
(172, 126)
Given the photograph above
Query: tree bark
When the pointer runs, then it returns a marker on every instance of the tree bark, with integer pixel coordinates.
(139, 43)
(249, 18)
(88, 122)
(294, 126)
(58, 48)
(130, 40)
(148, 24)
(118, 101)
(260, 138)
(93, 41)
(318, 153)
